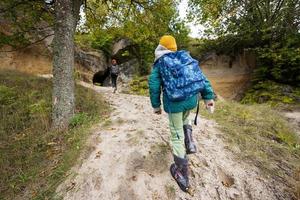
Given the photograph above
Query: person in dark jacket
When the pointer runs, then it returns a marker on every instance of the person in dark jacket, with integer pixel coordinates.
(178, 112)
(114, 72)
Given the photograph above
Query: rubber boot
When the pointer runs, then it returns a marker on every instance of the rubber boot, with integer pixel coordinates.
(179, 171)
(190, 145)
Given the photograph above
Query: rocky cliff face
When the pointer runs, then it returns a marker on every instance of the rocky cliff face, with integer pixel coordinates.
(127, 71)
(229, 75)
(120, 45)
(93, 61)
(34, 60)
(124, 51)
(38, 60)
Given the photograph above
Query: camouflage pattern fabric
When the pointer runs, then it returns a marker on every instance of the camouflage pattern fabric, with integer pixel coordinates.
(181, 75)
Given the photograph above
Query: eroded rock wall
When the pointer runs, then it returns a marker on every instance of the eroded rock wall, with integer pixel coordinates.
(229, 75)
(38, 60)
(92, 60)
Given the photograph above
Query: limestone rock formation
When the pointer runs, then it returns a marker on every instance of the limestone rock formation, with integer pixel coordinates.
(93, 61)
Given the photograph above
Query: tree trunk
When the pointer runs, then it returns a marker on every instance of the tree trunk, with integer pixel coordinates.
(63, 99)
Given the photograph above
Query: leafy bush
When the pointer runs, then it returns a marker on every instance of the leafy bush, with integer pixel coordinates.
(100, 40)
(273, 93)
(78, 119)
(139, 86)
(279, 64)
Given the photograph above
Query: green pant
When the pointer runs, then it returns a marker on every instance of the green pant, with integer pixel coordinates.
(176, 122)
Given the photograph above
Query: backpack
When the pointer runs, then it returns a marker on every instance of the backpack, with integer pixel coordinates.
(181, 75)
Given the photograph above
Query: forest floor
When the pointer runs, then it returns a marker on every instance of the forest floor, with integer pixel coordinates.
(131, 158)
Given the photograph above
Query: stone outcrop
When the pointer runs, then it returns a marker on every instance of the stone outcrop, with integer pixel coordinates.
(120, 45)
(229, 75)
(219, 64)
(127, 63)
(93, 61)
(127, 70)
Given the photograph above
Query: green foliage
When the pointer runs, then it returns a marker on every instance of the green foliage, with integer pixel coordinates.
(268, 28)
(99, 39)
(15, 40)
(142, 22)
(78, 119)
(139, 86)
(33, 158)
(273, 93)
(24, 21)
(281, 64)
(265, 20)
(7, 95)
(258, 134)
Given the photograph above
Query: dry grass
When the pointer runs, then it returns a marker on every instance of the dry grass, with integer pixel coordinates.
(259, 135)
(34, 159)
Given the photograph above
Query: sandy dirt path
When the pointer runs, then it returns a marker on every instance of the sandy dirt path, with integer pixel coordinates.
(132, 155)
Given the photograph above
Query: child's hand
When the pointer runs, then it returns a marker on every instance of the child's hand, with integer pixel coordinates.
(157, 111)
(210, 105)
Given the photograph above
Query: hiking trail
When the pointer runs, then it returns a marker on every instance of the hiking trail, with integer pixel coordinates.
(131, 158)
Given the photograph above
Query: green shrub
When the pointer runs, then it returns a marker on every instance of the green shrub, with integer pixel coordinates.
(7, 95)
(274, 94)
(139, 86)
(279, 64)
(78, 119)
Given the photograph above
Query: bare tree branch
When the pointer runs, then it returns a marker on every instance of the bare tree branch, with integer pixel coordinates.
(28, 45)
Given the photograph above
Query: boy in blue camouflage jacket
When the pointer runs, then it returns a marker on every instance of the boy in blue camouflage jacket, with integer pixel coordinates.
(178, 111)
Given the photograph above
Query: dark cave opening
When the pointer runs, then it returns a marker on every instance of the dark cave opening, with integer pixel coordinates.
(100, 77)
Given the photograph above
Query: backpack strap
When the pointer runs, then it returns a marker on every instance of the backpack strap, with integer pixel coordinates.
(197, 112)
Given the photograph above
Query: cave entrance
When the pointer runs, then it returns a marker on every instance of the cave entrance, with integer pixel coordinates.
(101, 78)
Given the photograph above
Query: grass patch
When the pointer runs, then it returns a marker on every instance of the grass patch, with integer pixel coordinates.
(139, 86)
(275, 94)
(33, 159)
(262, 136)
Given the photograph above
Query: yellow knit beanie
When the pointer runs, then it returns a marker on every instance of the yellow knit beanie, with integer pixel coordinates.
(169, 42)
